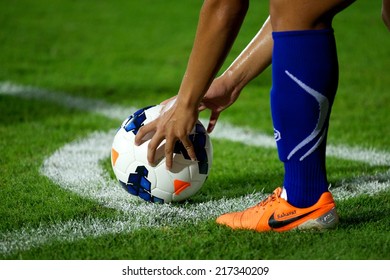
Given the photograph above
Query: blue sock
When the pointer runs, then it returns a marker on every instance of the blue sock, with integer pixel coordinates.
(305, 79)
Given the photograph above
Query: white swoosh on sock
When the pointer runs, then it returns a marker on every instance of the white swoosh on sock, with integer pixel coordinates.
(323, 104)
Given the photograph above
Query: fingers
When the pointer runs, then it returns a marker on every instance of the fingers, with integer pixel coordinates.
(213, 121)
(169, 149)
(157, 139)
(189, 148)
(202, 107)
(145, 133)
(142, 133)
(152, 147)
(149, 132)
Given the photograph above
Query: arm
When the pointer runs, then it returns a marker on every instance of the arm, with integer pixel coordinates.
(252, 61)
(219, 23)
(218, 27)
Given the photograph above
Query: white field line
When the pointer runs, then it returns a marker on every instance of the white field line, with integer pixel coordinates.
(76, 167)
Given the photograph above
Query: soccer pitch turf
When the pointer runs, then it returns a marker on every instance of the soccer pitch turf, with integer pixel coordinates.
(70, 72)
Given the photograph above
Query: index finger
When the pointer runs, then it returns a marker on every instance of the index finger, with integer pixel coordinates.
(212, 121)
(153, 146)
(143, 132)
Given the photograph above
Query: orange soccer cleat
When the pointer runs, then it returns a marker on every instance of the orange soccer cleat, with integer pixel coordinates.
(275, 213)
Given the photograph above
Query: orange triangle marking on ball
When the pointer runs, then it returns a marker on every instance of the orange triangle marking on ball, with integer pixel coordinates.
(114, 156)
(180, 186)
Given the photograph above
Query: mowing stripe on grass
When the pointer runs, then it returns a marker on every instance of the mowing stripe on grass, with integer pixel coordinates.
(76, 167)
(62, 99)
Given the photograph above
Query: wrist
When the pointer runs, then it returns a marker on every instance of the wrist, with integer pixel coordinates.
(188, 101)
(232, 81)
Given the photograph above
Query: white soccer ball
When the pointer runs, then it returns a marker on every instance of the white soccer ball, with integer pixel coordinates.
(156, 183)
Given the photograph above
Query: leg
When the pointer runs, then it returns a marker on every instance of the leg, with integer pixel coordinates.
(305, 78)
(304, 14)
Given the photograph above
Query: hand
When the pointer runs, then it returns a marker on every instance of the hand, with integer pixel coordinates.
(174, 124)
(218, 97)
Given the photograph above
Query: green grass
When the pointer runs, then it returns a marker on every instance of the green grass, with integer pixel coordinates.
(133, 53)
(31, 130)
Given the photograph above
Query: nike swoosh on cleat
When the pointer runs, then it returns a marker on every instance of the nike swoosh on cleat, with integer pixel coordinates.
(279, 224)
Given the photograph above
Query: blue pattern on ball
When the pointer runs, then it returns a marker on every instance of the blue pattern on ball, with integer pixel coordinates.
(136, 120)
(139, 185)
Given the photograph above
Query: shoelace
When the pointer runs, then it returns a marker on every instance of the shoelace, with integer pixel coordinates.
(275, 196)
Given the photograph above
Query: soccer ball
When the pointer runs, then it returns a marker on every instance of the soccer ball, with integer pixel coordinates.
(156, 183)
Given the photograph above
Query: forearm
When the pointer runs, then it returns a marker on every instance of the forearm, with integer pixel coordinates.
(252, 61)
(219, 23)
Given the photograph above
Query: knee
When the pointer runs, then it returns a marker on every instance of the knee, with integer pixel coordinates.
(227, 8)
(303, 14)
